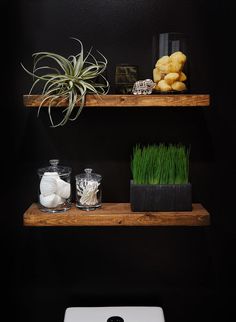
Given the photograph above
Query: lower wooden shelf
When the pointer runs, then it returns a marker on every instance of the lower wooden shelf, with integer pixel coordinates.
(116, 214)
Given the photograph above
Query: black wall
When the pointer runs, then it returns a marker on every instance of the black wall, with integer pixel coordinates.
(188, 271)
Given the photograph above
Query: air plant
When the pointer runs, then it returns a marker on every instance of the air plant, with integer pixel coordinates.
(69, 81)
(160, 164)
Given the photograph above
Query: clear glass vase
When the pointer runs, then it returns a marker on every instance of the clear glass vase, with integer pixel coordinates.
(54, 188)
(88, 190)
(170, 44)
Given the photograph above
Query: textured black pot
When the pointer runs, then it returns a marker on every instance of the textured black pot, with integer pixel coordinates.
(165, 197)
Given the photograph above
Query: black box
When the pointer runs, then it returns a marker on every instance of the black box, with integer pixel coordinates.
(164, 197)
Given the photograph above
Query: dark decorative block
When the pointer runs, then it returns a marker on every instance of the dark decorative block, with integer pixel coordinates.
(165, 197)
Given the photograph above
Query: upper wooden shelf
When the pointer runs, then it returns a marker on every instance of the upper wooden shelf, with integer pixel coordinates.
(191, 100)
(116, 214)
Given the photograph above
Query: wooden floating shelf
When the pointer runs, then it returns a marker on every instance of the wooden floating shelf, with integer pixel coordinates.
(116, 214)
(111, 100)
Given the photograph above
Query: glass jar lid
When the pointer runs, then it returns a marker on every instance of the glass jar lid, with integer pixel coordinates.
(54, 167)
(88, 175)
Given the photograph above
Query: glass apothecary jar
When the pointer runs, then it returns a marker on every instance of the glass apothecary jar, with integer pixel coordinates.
(54, 187)
(88, 190)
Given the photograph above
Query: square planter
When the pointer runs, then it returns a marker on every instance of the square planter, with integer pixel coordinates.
(165, 197)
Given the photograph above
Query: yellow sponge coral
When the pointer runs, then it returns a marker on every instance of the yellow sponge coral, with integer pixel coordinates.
(168, 72)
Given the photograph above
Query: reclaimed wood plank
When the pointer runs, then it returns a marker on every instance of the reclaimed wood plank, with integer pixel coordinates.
(116, 214)
(112, 100)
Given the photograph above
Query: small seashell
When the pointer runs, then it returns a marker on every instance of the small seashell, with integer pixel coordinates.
(48, 185)
(50, 201)
(59, 200)
(63, 189)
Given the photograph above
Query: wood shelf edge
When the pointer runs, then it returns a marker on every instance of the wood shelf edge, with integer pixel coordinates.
(116, 214)
(115, 100)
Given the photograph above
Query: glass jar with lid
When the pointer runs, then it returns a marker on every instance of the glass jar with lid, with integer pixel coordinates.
(88, 190)
(54, 187)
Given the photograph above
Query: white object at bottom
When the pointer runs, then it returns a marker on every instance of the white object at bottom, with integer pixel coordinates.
(102, 314)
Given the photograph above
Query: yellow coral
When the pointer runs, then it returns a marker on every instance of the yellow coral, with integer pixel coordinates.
(157, 75)
(164, 87)
(171, 78)
(182, 77)
(163, 64)
(168, 72)
(178, 86)
(178, 56)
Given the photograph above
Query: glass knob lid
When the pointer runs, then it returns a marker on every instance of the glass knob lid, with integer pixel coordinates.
(88, 172)
(55, 167)
(54, 162)
(89, 175)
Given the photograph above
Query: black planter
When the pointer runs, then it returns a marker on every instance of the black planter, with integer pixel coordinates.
(165, 197)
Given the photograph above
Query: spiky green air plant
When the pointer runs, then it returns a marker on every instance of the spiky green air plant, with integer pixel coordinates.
(70, 81)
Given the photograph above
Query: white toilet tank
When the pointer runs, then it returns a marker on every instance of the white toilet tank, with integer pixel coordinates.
(114, 314)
